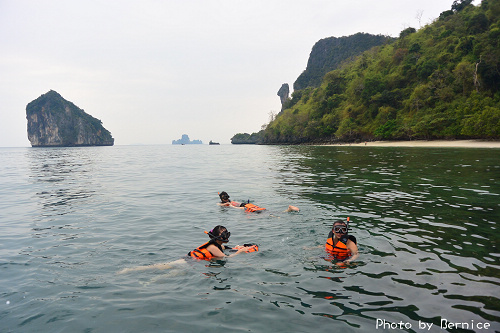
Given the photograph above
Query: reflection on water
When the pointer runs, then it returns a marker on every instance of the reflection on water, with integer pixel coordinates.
(67, 175)
(63, 185)
(426, 221)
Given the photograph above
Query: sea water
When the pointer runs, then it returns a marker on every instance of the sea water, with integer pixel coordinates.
(426, 221)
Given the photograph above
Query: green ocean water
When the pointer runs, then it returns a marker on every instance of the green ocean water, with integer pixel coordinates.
(426, 220)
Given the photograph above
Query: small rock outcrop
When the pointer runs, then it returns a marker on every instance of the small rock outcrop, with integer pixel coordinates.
(284, 93)
(56, 122)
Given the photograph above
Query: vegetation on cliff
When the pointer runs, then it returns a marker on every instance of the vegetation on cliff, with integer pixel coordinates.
(440, 82)
(245, 138)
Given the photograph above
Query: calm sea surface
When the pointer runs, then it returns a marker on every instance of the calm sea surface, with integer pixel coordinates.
(426, 219)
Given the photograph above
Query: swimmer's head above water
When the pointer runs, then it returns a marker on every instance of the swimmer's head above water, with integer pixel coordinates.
(224, 197)
(340, 227)
(219, 233)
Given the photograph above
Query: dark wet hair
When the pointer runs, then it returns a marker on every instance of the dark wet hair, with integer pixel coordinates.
(339, 222)
(219, 233)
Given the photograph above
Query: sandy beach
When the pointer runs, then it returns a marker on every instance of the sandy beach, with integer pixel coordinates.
(424, 143)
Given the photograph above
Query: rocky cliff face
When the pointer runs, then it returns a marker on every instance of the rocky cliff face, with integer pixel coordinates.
(284, 93)
(54, 121)
(329, 53)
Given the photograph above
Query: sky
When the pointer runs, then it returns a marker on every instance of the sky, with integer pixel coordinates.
(152, 70)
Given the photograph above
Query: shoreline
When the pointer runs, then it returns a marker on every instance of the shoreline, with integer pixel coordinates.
(425, 143)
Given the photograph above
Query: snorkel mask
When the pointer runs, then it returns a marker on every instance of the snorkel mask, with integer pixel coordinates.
(223, 237)
(224, 197)
(341, 227)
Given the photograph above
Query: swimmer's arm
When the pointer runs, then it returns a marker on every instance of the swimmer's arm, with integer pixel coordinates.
(218, 253)
(292, 209)
(243, 249)
(236, 204)
(230, 204)
(215, 251)
(354, 250)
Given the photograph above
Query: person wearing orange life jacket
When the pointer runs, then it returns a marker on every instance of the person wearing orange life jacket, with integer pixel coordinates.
(212, 249)
(341, 245)
(248, 207)
(215, 247)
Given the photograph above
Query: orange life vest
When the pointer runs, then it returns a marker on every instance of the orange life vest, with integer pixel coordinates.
(201, 252)
(339, 250)
(253, 208)
(252, 247)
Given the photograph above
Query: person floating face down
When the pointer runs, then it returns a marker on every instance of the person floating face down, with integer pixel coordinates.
(341, 245)
(215, 247)
(212, 249)
(249, 207)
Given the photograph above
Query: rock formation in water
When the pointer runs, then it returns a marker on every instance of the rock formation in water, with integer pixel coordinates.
(283, 93)
(185, 141)
(56, 122)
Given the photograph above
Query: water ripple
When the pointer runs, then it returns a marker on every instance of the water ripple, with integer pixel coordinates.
(426, 221)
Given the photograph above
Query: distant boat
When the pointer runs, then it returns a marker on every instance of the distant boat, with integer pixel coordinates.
(213, 143)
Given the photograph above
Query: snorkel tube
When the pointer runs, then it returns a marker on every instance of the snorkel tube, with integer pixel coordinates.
(351, 237)
(345, 236)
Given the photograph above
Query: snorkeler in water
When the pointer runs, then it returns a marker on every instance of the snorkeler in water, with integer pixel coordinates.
(213, 249)
(340, 244)
(248, 207)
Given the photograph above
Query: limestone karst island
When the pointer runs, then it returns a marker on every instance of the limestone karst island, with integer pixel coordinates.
(56, 122)
(186, 141)
(440, 82)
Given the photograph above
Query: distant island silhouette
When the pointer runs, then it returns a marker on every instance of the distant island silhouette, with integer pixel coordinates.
(186, 141)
